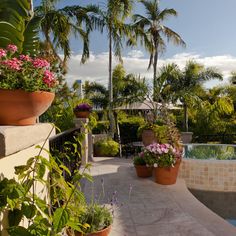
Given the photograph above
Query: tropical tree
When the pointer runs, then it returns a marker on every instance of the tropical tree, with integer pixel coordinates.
(183, 85)
(112, 19)
(152, 33)
(58, 25)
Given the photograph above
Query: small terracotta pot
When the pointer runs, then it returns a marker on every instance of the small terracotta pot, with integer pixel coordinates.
(18, 107)
(82, 114)
(143, 171)
(167, 175)
(148, 137)
(103, 232)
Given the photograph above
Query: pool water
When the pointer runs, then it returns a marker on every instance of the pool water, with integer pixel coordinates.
(210, 151)
(222, 203)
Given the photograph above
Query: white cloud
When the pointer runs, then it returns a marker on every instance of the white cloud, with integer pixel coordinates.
(96, 69)
(135, 54)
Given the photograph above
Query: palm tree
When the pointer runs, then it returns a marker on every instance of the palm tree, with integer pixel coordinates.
(57, 25)
(151, 31)
(183, 85)
(112, 19)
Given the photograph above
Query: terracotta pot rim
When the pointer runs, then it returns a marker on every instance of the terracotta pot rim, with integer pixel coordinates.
(108, 228)
(24, 91)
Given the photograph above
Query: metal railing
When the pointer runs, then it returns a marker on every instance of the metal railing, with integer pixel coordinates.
(62, 146)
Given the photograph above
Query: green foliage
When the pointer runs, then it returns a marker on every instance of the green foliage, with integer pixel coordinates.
(107, 147)
(139, 161)
(101, 127)
(96, 216)
(210, 152)
(17, 26)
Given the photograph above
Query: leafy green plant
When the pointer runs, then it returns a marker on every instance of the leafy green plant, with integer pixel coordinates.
(107, 147)
(48, 214)
(139, 161)
(18, 26)
(96, 216)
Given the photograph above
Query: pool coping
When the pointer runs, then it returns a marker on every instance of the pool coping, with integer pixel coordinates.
(191, 205)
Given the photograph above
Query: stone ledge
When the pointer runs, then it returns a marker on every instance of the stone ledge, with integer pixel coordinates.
(17, 138)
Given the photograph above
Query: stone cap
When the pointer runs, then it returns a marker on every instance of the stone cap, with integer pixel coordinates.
(17, 138)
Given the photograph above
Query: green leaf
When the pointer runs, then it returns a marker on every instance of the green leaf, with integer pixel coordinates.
(60, 219)
(14, 217)
(18, 231)
(29, 211)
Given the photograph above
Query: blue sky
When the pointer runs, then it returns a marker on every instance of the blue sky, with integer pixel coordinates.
(207, 27)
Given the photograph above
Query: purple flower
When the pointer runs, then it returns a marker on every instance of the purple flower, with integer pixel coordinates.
(83, 107)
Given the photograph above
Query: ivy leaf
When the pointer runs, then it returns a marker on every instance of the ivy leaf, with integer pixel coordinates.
(29, 211)
(60, 219)
(14, 217)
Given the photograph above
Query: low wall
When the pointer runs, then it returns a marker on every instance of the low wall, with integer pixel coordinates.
(212, 175)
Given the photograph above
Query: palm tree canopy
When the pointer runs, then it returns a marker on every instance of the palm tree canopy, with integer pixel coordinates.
(151, 31)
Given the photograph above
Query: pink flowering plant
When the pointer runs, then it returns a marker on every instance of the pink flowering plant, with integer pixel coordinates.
(18, 71)
(161, 155)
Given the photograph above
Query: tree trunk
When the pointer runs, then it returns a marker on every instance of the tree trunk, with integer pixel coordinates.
(110, 87)
(185, 117)
(155, 95)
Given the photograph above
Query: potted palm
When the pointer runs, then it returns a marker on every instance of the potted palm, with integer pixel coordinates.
(141, 167)
(26, 87)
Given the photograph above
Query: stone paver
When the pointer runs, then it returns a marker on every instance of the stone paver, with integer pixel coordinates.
(149, 209)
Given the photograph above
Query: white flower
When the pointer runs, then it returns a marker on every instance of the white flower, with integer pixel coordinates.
(155, 165)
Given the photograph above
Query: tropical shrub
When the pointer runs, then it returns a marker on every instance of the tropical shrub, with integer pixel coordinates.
(106, 147)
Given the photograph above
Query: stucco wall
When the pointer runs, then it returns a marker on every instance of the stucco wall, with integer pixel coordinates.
(212, 175)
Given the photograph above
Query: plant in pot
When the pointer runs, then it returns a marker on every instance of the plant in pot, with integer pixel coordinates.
(83, 110)
(26, 87)
(165, 158)
(141, 167)
(152, 133)
(95, 220)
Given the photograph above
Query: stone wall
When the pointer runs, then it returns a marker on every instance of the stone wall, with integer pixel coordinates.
(212, 175)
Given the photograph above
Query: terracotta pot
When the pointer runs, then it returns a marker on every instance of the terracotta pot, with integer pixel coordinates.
(167, 175)
(82, 114)
(18, 107)
(103, 232)
(143, 171)
(148, 137)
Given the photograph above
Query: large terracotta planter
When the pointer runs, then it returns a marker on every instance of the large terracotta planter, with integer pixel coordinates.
(143, 171)
(103, 232)
(148, 137)
(82, 114)
(18, 107)
(167, 175)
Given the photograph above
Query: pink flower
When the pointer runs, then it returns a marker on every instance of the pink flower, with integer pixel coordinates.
(40, 63)
(3, 53)
(25, 57)
(13, 64)
(12, 48)
(49, 78)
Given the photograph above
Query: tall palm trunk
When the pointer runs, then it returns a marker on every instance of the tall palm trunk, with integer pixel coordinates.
(155, 73)
(185, 117)
(110, 87)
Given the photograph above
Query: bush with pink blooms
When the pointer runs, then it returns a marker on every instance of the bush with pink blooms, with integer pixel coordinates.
(162, 155)
(19, 71)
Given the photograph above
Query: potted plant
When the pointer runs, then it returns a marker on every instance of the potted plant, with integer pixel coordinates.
(152, 133)
(82, 110)
(26, 87)
(165, 158)
(95, 219)
(141, 167)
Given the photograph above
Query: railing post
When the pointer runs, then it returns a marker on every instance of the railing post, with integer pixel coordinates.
(82, 123)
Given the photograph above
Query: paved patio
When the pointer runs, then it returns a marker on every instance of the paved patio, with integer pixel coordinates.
(150, 209)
